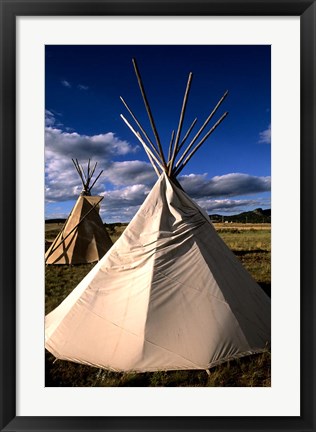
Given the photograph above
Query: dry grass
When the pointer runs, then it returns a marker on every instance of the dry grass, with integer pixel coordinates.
(242, 226)
(252, 371)
(251, 244)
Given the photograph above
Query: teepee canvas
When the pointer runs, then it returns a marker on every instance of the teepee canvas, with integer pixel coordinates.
(169, 294)
(83, 238)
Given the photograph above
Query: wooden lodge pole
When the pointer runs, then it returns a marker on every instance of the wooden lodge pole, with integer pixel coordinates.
(143, 143)
(95, 180)
(184, 103)
(140, 126)
(180, 168)
(170, 145)
(186, 136)
(190, 145)
(141, 86)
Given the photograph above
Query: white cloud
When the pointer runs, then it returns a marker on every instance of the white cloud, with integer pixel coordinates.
(228, 185)
(121, 205)
(49, 118)
(66, 83)
(72, 144)
(61, 179)
(265, 136)
(131, 195)
(229, 205)
(130, 172)
(125, 184)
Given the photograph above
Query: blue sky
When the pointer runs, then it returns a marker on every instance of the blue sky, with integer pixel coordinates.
(231, 171)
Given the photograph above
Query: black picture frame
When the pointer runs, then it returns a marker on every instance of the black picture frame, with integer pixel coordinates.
(10, 9)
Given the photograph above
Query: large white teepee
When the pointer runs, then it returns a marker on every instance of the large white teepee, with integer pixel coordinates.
(83, 238)
(168, 295)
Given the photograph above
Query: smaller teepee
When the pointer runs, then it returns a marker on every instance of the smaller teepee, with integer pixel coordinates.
(83, 238)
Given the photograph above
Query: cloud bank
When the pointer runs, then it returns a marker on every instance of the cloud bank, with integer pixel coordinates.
(66, 83)
(125, 184)
(228, 185)
(265, 136)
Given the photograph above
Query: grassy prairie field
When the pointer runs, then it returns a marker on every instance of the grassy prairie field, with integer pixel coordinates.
(252, 245)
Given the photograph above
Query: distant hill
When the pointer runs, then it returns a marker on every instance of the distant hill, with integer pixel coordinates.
(255, 216)
(116, 224)
(50, 221)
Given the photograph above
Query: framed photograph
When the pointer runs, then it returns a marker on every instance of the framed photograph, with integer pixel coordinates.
(260, 36)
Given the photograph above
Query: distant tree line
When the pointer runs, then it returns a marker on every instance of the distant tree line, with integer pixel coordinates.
(255, 216)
